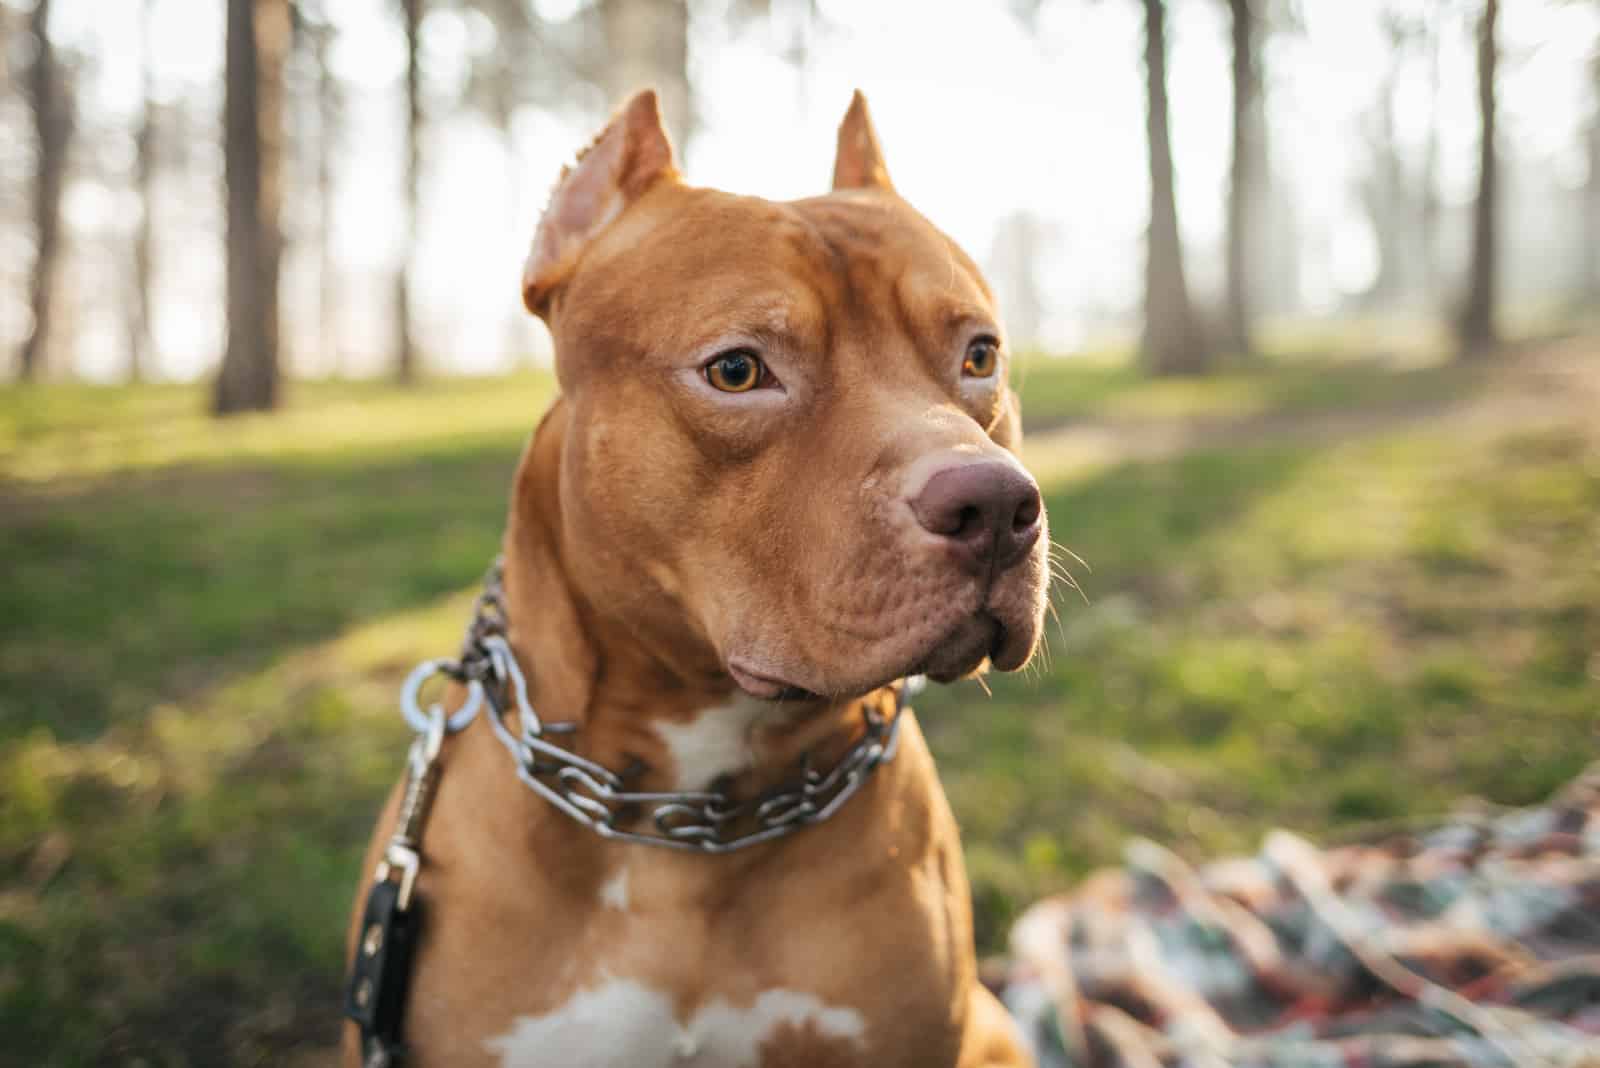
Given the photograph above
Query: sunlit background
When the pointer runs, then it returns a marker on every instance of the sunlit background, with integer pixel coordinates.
(1019, 128)
(1324, 474)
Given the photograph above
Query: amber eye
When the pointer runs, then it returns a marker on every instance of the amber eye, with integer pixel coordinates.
(735, 371)
(983, 356)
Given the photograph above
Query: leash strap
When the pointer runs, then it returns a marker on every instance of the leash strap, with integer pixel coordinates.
(375, 996)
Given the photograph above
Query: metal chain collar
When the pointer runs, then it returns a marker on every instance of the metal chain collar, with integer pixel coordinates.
(697, 820)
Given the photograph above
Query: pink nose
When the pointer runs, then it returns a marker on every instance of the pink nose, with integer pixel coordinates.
(989, 508)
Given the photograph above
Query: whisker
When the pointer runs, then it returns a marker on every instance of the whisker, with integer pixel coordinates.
(1068, 579)
(1056, 545)
(1064, 575)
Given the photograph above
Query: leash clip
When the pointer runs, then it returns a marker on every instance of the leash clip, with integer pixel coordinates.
(422, 775)
(405, 860)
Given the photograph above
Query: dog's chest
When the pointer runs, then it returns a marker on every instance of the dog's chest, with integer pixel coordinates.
(625, 1023)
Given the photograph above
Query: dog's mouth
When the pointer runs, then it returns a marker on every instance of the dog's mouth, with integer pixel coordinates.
(955, 655)
(767, 687)
(964, 649)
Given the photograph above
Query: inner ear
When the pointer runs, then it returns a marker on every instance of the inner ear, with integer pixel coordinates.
(858, 163)
(629, 156)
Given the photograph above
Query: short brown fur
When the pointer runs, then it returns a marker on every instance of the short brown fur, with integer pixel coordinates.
(659, 533)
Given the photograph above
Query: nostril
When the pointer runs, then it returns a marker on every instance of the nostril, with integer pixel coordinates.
(990, 508)
(1027, 513)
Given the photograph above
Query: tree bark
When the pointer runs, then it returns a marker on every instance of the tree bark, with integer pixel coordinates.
(1172, 343)
(1243, 185)
(1478, 330)
(647, 44)
(141, 339)
(328, 127)
(258, 39)
(52, 124)
(405, 367)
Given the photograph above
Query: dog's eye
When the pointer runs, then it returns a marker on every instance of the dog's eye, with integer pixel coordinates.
(983, 356)
(735, 371)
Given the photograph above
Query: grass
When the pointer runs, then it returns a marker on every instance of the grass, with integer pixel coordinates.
(201, 629)
(1321, 380)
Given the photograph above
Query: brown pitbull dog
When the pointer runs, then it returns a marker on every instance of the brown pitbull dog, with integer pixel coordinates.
(779, 478)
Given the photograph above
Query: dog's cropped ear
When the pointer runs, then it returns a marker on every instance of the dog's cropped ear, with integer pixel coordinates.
(630, 155)
(858, 163)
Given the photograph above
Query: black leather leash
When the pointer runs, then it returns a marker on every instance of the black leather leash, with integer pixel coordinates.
(375, 997)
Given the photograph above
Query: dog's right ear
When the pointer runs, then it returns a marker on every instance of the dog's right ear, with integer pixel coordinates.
(858, 163)
(630, 155)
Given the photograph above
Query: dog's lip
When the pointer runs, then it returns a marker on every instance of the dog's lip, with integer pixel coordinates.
(951, 670)
(766, 687)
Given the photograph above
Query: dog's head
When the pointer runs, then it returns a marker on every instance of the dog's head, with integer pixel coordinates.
(788, 451)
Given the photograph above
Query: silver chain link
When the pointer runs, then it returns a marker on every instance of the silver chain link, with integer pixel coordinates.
(696, 820)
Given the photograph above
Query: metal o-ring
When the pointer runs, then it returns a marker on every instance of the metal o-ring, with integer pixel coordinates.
(413, 688)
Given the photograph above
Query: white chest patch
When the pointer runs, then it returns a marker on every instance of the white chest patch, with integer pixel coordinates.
(614, 891)
(625, 1024)
(716, 742)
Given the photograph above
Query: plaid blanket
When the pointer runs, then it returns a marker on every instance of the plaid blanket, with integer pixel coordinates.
(1476, 943)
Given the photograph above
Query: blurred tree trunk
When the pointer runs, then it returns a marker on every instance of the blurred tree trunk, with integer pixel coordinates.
(1172, 342)
(1478, 332)
(1383, 190)
(405, 367)
(329, 107)
(647, 44)
(258, 40)
(1428, 198)
(503, 92)
(141, 335)
(52, 124)
(1243, 184)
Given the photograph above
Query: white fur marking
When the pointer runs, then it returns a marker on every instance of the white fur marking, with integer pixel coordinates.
(614, 892)
(716, 742)
(625, 1024)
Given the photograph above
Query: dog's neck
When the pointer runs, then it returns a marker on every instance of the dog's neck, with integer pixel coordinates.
(665, 718)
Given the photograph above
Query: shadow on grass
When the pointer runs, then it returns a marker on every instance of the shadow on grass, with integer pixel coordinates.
(149, 586)
(184, 900)
(1260, 398)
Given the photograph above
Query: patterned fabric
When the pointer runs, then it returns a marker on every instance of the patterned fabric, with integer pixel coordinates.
(1474, 944)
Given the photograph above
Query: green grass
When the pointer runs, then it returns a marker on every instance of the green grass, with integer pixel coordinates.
(202, 625)
(1326, 381)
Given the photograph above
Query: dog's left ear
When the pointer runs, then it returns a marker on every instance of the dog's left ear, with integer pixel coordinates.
(629, 156)
(858, 163)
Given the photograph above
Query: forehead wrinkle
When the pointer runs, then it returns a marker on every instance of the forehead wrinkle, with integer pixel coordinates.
(839, 228)
(922, 274)
(826, 255)
(932, 314)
